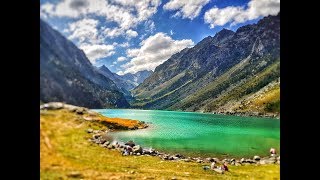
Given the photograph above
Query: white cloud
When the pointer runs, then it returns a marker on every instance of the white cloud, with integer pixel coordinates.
(97, 51)
(126, 44)
(171, 32)
(120, 73)
(153, 51)
(238, 14)
(113, 32)
(114, 62)
(85, 30)
(149, 26)
(130, 33)
(121, 58)
(127, 14)
(186, 8)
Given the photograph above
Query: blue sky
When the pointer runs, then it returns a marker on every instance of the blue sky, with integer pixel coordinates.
(132, 35)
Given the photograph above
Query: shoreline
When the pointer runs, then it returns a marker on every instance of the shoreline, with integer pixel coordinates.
(242, 114)
(102, 138)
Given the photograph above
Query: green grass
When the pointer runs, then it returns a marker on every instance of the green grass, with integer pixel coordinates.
(64, 148)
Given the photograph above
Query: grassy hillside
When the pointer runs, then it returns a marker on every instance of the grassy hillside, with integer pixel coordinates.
(66, 153)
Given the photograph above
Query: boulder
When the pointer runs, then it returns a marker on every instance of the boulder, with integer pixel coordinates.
(175, 158)
(186, 160)
(105, 144)
(178, 155)
(137, 149)
(256, 158)
(218, 170)
(96, 136)
(267, 161)
(130, 143)
(215, 160)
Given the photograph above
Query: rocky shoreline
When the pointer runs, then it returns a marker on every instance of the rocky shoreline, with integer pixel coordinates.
(101, 137)
(249, 114)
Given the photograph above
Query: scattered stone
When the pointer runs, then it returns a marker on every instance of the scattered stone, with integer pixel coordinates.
(218, 170)
(96, 136)
(75, 174)
(110, 146)
(199, 161)
(186, 160)
(242, 160)
(138, 154)
(256, 158)
(96, 131)
(215, 160)
(130, 143)
(175, 158)
(137, 149)
(89, 130)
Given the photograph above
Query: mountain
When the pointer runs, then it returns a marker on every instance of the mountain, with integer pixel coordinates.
(138, 77)
(124, 85)
(67, 75)
(230, 72)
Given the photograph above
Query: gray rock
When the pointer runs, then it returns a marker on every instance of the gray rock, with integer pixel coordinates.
(209, 159)
(138, 154)
(199, 161)
(215, 159)
(242, 160)
(96, 136)
(186, 160)
(75, 174)
(175, 158)
(137, 149)
(105, 144)
(257, 158)
(110, 146)
(89, 130)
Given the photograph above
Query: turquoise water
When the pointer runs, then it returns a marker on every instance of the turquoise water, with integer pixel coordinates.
(200, 134)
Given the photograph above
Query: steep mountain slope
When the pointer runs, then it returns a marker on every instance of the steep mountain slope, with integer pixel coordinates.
(137, 78)
(228, 67)
(67, 75)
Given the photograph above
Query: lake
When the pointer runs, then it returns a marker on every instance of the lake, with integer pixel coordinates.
(200, 134)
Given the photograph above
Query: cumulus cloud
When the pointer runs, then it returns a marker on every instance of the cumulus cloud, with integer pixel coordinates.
(121, 58)
(186, 8)
(126, 13)
(153, 51)
(97, 51)
(130, 33)
(85, 30)
(112, 32)
(239, 14)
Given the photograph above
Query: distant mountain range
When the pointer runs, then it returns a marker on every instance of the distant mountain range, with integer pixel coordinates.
(67, 75)
(230, 72)
(125, 82)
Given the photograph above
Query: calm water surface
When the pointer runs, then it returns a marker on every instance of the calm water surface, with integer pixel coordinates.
(200, 134)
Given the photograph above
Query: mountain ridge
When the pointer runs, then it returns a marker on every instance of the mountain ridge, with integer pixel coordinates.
(217, 64)
(67, 75)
